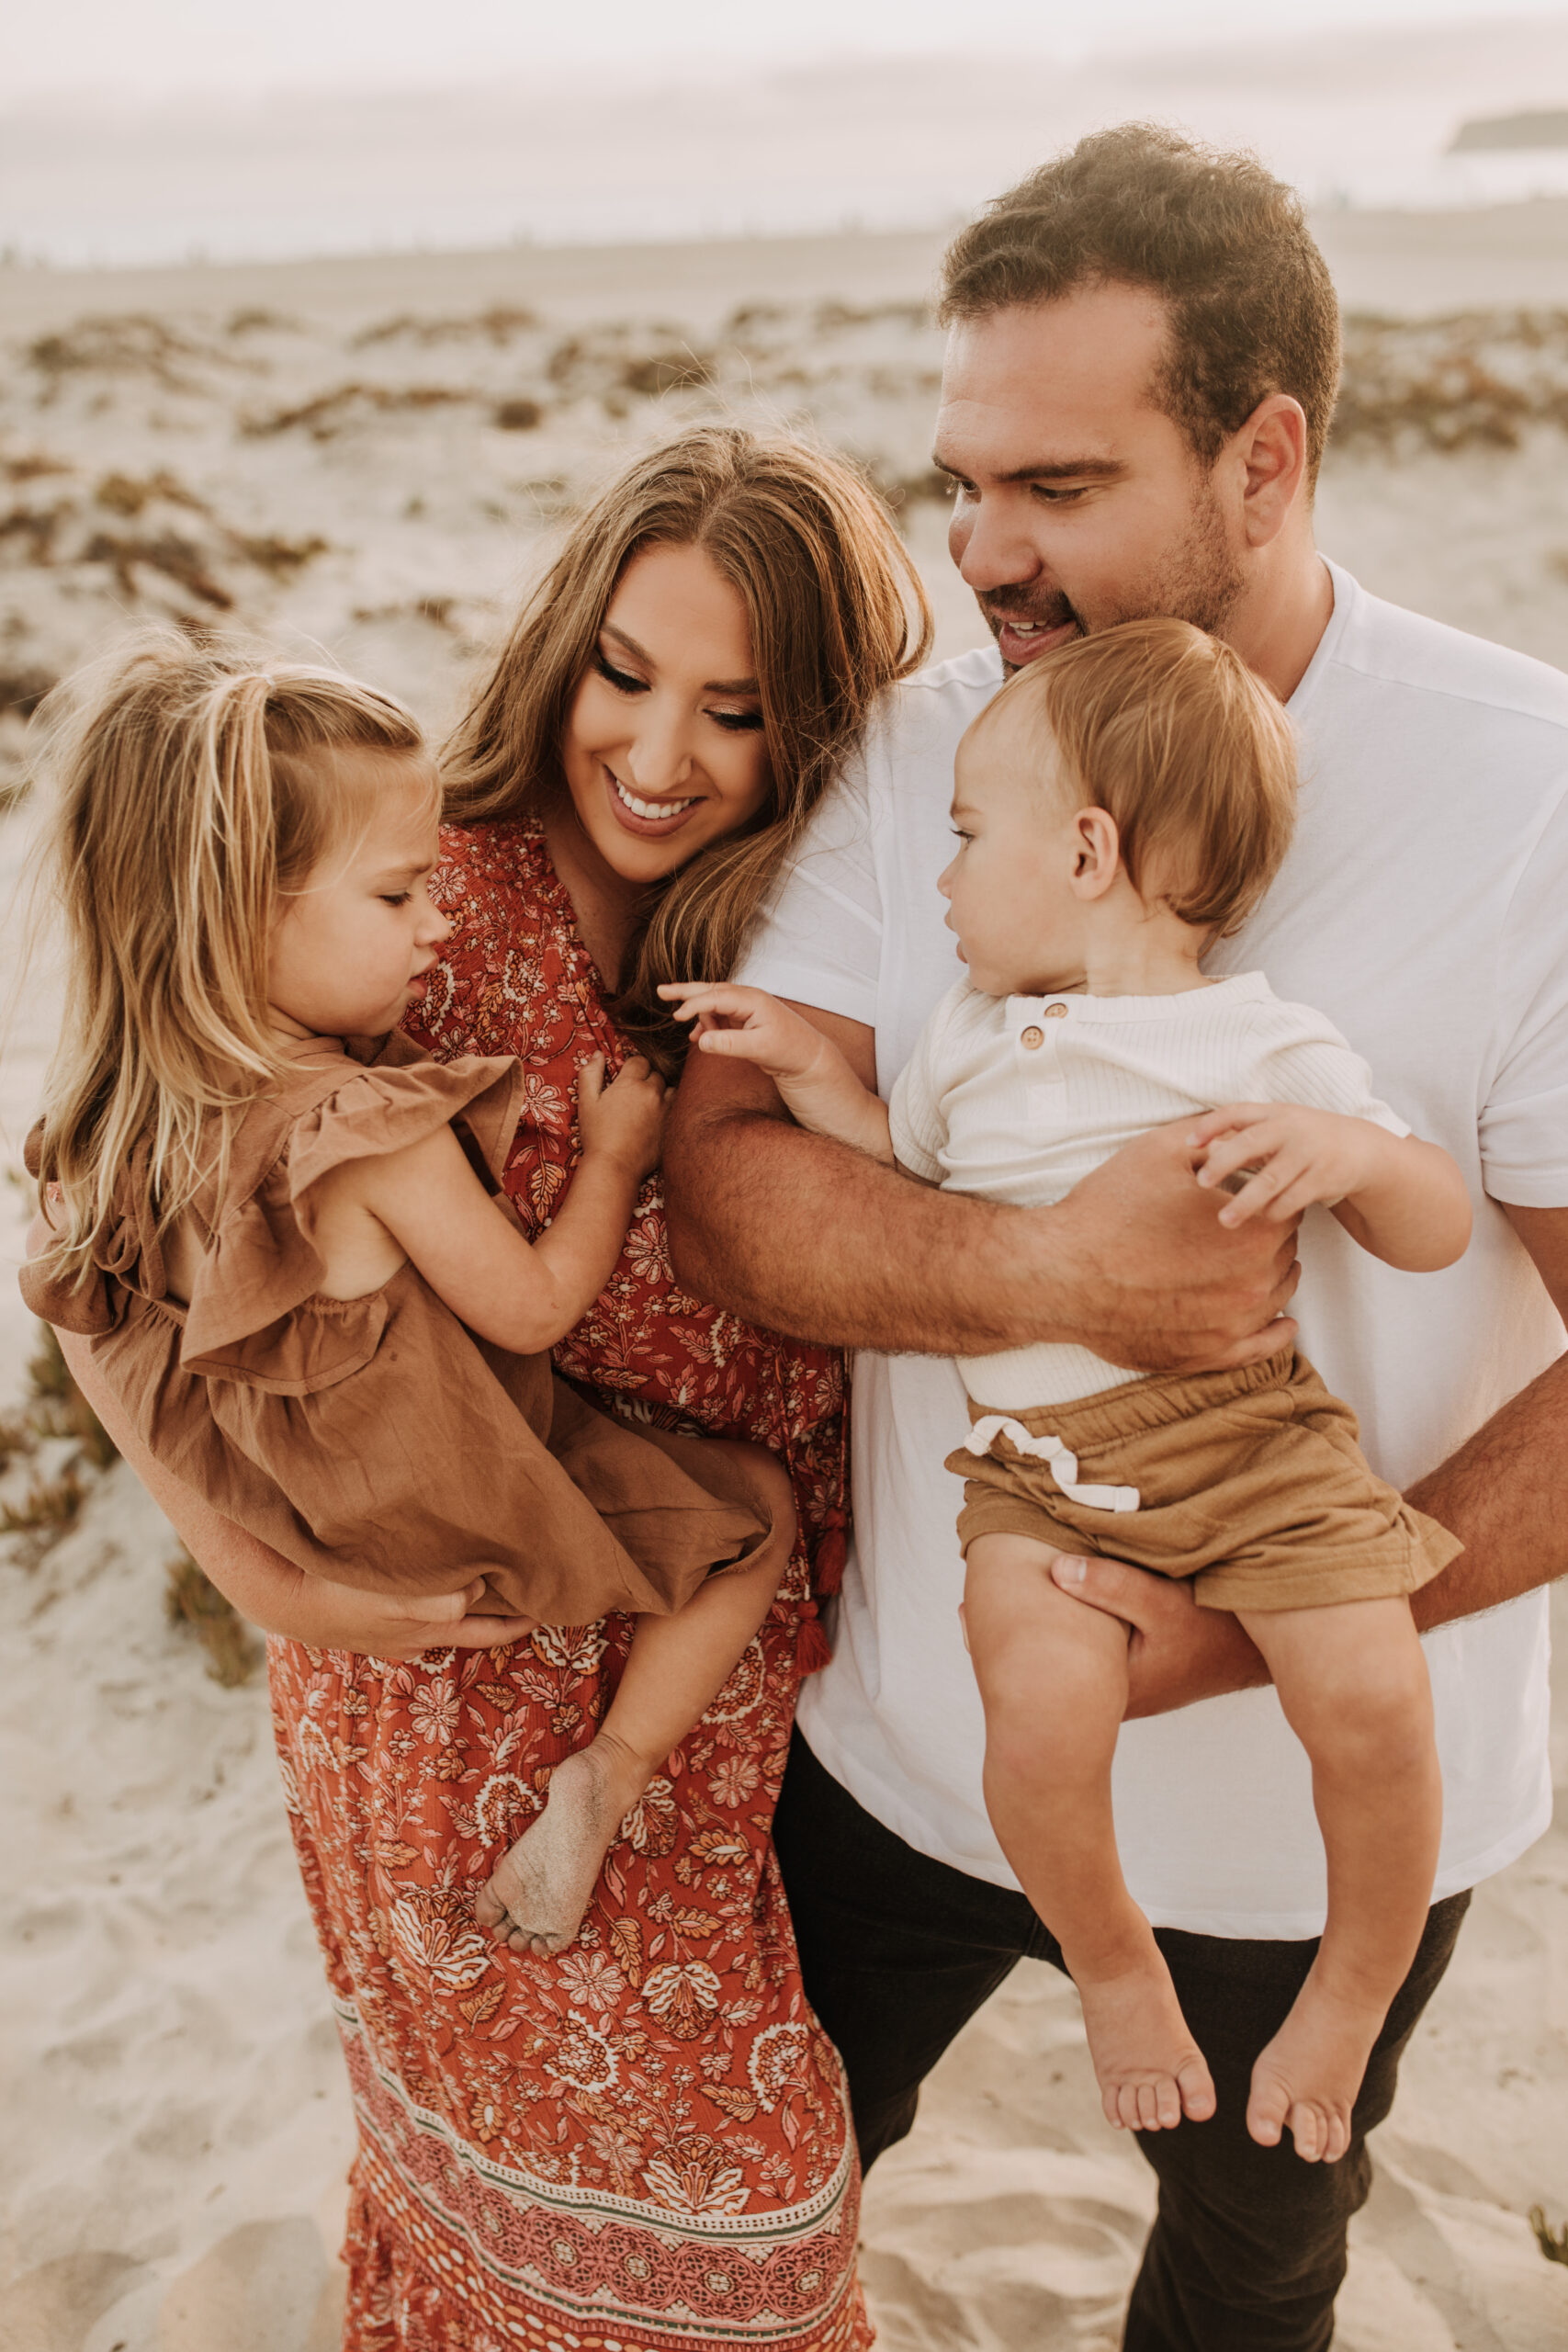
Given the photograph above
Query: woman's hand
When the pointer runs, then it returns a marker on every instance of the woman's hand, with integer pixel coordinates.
(382, 1625)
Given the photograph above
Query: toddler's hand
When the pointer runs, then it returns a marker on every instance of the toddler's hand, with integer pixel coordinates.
(1290, 1158)
(625, 1120)
(747, 1022)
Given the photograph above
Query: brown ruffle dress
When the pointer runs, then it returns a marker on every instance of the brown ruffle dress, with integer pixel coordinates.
(376, 1441)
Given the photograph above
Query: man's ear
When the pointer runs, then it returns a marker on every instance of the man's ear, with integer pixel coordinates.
(1271, 451)
(1097, 852)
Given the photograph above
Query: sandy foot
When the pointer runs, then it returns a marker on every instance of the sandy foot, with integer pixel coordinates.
(1308, 2076)
(539, 1893)
(1151, 2071)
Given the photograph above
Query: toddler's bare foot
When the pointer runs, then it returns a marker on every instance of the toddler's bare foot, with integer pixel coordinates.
(539, 1893)
(1308, 2076)
(1150, 2071)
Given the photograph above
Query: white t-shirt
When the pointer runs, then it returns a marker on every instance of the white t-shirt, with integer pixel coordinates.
(1421, 909)
(1015, 1099)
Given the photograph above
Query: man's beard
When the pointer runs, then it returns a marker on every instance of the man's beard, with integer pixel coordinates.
(1199, 580)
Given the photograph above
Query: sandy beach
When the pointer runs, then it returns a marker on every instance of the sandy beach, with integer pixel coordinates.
(369, 458)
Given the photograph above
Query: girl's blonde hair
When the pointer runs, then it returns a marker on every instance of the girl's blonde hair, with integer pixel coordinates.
(1168, 729)
(188, 794)
(837, 613)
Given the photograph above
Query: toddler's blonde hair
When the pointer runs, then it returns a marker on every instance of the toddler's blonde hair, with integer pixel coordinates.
(188, 794)
(1168, 729)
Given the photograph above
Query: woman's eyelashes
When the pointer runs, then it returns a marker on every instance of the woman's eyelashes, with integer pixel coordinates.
(624, 681)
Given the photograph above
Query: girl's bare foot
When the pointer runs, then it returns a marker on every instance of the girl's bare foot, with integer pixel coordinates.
(539, 1893)
(1307, 2078)
(1150, 2071)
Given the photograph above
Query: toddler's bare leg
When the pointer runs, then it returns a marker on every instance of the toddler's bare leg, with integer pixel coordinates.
(539, 1891)
(1053, 1675)
(1353, 1684)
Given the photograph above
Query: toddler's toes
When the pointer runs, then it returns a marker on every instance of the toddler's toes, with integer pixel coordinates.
(488, 1909)
(1195, 2086)
(1267, 2109)
(1307, 2132)
(1148, 2106)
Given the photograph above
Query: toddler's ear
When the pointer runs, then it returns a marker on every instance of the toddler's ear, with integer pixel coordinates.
(1098, 851)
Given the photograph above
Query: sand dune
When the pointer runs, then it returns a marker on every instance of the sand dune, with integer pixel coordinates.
(371, 457)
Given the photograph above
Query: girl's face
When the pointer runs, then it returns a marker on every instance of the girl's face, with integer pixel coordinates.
(351, 947)
(663, 749)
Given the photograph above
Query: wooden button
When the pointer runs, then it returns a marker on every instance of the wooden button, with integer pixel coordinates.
(1032, 1040)
(1056, 1012)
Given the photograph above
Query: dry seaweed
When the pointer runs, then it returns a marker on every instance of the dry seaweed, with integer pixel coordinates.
(328, 412)
(56, 1406)
(497, 325)
(177, 559)
(1552, 2242)
(193, 1601)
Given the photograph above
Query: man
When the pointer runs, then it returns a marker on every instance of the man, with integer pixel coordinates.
(1142, 366)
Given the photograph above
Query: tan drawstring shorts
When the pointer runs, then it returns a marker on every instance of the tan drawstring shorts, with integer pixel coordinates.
(1252, 1483)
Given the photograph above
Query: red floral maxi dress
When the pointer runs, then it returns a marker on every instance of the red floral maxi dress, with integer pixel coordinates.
(642, 2144)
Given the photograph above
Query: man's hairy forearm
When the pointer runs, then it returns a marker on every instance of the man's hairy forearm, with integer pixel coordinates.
(822, 1242)
(1504, 1495)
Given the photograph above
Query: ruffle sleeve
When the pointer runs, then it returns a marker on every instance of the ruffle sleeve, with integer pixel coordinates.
(255, 1315)
(127, 1253)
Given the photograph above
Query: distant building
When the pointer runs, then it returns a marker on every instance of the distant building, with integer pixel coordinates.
(1489, 134)
(1507, 158)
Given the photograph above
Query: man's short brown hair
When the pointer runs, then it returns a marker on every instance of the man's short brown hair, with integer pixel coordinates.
(1253, 307)
(1168, 729)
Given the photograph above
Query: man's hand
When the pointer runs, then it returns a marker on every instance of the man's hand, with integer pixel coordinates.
(1161, 1284)
(1176, 1653)
(798, 1233)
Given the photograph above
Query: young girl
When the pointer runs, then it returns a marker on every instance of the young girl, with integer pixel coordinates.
(277, 1221)
(1121, 803)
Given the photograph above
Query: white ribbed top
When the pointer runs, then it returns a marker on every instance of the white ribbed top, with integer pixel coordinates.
(1016, 1099)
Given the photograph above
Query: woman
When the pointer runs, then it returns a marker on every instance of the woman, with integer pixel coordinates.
(643, 2143)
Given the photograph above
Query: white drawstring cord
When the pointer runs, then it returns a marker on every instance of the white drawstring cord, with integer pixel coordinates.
(1063, 1461)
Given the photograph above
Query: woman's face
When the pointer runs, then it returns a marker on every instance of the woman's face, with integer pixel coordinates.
(664, 751)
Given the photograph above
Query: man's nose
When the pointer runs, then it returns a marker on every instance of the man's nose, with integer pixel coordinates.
(989, 542)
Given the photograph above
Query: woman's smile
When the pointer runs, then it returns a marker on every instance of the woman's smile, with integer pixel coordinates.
(650, 820)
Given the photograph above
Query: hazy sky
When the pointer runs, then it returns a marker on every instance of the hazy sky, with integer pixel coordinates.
(156, 46)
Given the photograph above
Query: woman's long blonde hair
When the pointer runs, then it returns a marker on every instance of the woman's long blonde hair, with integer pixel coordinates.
(837, 613)
(185, 799)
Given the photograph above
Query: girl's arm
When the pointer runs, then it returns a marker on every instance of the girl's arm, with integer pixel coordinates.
(1402, 1199)
(521, 1294)
(818, 1088)
(270, 1590)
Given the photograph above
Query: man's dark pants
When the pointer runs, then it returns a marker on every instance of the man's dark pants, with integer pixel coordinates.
(1247, 2250)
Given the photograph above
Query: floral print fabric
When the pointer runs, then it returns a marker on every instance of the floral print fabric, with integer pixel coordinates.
(643, 2144)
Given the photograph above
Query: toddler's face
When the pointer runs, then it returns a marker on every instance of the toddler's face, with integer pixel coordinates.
(1008, 888)
(351, 947)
